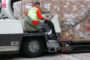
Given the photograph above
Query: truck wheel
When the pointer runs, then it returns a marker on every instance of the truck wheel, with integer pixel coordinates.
(33, 48)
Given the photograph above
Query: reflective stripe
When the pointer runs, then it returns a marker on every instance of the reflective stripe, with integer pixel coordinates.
(33, 14)
(9, 48)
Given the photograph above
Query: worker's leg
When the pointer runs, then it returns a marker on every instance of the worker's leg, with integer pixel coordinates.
(47, 29)
(44, 26)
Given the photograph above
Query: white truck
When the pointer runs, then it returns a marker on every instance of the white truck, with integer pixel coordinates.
(13, 39)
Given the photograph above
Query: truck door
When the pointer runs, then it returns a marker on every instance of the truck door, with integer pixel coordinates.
(10, 35)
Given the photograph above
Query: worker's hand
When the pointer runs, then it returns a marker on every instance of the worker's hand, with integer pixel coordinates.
(46, 18)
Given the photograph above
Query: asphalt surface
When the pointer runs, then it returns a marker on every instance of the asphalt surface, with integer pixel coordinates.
(73, 56)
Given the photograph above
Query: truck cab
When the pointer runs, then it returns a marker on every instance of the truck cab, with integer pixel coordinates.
(32, 44)
(14, 39)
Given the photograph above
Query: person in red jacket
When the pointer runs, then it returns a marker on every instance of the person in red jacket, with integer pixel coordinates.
(35, 14)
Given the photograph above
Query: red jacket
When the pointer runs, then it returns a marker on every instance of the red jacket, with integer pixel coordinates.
(39, 16)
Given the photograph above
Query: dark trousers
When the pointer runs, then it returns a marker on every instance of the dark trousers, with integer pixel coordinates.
(47, 30)
(44, 26)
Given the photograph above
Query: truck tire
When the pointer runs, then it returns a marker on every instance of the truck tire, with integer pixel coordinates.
(33, 48)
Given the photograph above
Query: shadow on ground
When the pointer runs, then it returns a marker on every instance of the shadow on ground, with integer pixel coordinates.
(9, 57)
(16, 56)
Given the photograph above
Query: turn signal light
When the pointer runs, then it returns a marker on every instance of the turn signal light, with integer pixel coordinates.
(3, 3)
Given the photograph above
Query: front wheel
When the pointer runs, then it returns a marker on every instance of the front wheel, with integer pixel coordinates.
(33, 48)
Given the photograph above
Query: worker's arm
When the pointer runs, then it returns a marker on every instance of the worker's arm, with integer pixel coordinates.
(39, 15)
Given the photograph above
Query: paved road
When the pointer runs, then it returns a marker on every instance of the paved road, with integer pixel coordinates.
(75, 56)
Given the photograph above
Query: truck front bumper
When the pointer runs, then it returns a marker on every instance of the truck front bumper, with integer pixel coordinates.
(53, 46)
